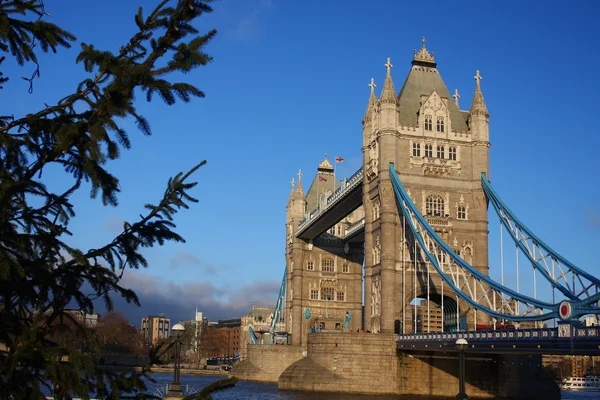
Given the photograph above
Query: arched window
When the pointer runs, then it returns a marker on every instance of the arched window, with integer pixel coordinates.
(461, 212)
(452, 153)
(327, 293)
(428, 150)
(416, 150)
(327, 265)
(440, 124)
(440, 152)
(434, 206)
(428, 123)
(310, 265)
(397, 327)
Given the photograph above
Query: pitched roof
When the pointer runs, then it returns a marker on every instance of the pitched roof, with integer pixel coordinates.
(422, 80)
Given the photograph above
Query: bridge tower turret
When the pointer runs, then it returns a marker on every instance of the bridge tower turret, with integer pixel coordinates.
(479, 125)
(439, 152)
(295, 212)
(380, 148)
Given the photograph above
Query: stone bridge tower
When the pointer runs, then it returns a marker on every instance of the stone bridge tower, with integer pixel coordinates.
(324, 275)
(439, 152)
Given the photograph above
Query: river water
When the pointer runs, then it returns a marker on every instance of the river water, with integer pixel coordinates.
(259, 391)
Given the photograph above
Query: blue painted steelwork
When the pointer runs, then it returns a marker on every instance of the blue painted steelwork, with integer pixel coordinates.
(278, 306)
(489, 290)
(539, 253)
(253, 338)
(574, 340)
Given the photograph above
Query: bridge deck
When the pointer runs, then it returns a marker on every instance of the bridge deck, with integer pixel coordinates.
(579, 341)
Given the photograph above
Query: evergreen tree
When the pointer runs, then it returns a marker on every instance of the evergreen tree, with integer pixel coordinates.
(40, 273)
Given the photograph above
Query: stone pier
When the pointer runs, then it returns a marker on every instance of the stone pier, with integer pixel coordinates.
(265, 362)
(370, 364)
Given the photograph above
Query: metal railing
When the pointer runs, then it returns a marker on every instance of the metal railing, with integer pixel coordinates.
(355, 227)
(346, 186)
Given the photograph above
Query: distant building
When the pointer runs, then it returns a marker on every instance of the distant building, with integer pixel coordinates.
(259, 318)
(89, 319)
(155, 328)
(222, 339)
(428, 319)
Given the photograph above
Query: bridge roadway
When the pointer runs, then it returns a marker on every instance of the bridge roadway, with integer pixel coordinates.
(576, 341)
(347, 198)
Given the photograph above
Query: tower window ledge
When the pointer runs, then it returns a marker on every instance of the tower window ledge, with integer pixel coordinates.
(442, 220)
(328, 274)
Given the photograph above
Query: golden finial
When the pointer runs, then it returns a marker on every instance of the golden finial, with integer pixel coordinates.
(325, 164)
(423, 55)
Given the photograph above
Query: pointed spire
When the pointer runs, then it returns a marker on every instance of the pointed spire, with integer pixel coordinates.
(293, 184)
(388, 94)
(478, 104)
(456, 97)
(299, 187)
(372, 97)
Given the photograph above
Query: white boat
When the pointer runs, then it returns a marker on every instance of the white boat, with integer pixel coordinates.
(583, 384)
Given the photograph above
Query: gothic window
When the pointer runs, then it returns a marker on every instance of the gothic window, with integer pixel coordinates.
(416, 150)
(345, 268)
(434, 206)
(461, 212)
(452, 153)
(440, 152)
(340, 295)
(310, 265)
(327, 294)
(314, 294)
(327, 265)
(428, 150)
(428, 123)
(440, 124)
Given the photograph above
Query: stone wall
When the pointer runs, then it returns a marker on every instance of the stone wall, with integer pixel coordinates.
(487, 376)
(370, 363)
(265, 362)
(346, 362)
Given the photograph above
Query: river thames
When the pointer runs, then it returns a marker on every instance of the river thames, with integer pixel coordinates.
(259, 391)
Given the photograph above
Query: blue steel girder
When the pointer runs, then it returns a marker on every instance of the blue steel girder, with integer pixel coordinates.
(578, 340)
(279, 304)
(472, 286)
(577, 285)
(493, 298)
(337, 206)
(253, 338)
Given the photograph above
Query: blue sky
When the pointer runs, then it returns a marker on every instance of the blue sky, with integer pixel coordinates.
(289, 83)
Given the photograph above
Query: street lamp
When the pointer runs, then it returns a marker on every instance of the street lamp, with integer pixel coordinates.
(175, 390)
(461, 346)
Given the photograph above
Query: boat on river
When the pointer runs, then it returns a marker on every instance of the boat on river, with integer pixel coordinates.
(582, 384)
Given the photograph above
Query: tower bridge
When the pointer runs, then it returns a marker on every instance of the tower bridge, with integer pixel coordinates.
(412, 223)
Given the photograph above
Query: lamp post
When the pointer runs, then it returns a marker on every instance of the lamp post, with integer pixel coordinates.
(175, 390)
(461, 346)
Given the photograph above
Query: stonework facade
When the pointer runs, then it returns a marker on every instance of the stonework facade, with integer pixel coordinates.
(324, 287)
(439, 152)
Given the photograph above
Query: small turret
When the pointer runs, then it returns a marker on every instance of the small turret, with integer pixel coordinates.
(479, 117)
(388, 93)
(370, 115)
(296, 206)
(388, 100)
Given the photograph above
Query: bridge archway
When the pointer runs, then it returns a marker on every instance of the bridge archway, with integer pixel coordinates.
(434, 314)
